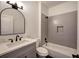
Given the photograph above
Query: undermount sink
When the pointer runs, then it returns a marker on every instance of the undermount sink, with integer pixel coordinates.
(17, 43)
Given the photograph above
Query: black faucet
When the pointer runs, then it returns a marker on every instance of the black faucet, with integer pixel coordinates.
(11, 40)
(20, 38)
(46, 40)
(17, 37)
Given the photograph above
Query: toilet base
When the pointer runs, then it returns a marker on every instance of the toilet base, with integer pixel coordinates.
(49, 56)
(43, 56)
(38, 56)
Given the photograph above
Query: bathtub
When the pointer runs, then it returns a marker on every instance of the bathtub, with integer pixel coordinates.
(59, 51)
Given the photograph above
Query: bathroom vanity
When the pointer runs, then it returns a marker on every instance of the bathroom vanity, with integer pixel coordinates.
(23, 50)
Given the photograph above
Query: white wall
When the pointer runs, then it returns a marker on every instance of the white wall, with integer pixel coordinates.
(31, 13)
(44, 9)
(78, 28)
(40, 20)
(62, 8)
(44, 28)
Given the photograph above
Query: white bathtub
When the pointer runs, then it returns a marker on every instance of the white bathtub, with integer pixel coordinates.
(59, 51)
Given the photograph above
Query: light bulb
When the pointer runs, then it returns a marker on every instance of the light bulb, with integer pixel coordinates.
(19, 4)
(13, 2)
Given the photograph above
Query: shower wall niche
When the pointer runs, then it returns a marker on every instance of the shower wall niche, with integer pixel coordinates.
(62, 29)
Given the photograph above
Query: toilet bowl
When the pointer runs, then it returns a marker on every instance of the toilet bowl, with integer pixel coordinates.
(42, 52)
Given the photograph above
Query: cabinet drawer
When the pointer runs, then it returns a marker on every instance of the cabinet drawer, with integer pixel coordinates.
(31, 53)
(28, 55)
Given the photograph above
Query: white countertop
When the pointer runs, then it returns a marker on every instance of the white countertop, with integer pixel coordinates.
(5, 49)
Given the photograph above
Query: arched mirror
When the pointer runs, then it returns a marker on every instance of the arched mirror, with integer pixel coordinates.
(12, 21)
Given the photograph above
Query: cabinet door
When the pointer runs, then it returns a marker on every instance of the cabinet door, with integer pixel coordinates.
(30, 53)
(22, 56)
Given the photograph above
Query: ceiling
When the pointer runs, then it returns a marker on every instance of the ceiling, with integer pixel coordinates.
(52, 3)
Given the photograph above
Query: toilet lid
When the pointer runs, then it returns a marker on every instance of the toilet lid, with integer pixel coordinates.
(42, 51)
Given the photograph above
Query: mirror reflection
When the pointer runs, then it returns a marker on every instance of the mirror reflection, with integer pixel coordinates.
(12, 22)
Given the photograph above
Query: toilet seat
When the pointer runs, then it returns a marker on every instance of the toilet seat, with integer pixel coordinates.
(42, 51)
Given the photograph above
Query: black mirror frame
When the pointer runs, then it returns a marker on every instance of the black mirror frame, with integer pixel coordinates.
(13, 33)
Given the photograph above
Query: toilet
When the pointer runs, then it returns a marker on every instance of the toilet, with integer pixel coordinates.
(41, 51)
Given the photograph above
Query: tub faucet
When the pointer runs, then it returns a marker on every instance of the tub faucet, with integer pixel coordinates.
(46, 41)
(17, 37)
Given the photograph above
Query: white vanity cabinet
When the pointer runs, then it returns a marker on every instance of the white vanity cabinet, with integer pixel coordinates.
(28, 51)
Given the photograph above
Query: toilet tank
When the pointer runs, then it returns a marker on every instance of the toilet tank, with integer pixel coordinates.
(38, 42)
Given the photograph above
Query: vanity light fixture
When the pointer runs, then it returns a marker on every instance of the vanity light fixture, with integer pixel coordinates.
(15, 6)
